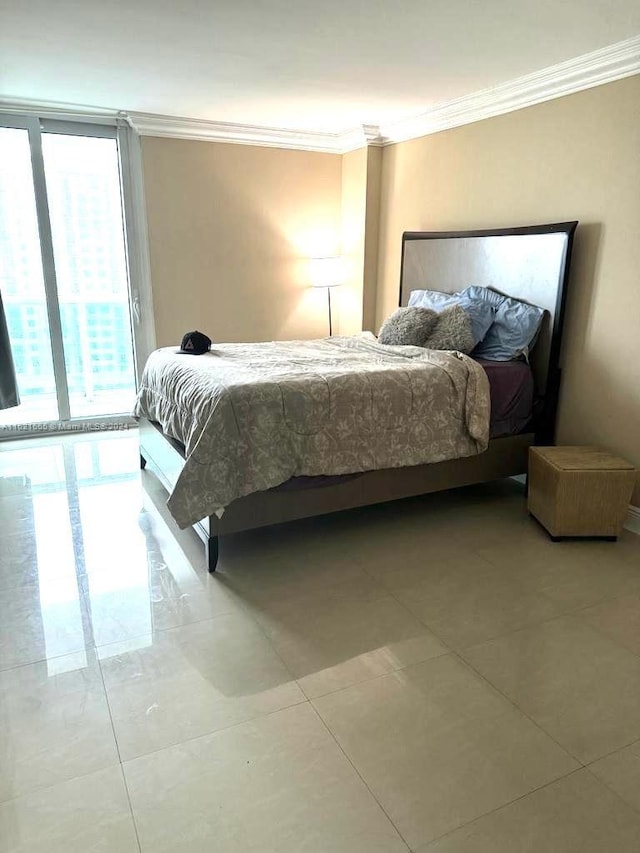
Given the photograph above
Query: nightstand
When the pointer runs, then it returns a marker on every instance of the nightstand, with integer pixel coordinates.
(579, 491)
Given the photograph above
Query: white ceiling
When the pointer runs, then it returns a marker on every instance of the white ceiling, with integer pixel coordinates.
(325, 66)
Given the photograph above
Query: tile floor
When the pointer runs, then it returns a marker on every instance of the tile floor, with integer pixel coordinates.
(433, 675)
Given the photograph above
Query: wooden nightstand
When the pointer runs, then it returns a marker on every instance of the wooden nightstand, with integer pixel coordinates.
(579, 491)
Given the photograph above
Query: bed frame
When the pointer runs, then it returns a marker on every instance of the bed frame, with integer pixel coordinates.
(531, 264)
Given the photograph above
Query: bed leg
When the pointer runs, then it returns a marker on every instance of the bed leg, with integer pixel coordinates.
(211, 552)
(143, 462)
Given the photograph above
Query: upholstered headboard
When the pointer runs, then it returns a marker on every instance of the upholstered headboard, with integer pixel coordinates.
(530, 264)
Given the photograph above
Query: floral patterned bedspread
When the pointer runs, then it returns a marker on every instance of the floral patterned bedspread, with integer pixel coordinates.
(253, 415)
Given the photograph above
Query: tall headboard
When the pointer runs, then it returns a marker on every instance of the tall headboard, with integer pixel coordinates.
(530, 264)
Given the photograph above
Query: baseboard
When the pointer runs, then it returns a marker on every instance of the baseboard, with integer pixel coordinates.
(633, 519)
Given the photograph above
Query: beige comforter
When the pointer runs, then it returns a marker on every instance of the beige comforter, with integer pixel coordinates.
(253, 415)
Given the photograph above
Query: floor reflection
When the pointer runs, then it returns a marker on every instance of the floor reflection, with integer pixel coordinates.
(75, 538)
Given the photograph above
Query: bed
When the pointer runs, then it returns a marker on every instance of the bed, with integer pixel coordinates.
(530, 264)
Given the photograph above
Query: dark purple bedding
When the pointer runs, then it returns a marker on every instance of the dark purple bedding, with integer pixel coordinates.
(511, 384)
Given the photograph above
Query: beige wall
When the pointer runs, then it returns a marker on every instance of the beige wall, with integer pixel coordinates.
(372, 236)
(349, 298)
(361, 170)
(231, 228)
(577, 157)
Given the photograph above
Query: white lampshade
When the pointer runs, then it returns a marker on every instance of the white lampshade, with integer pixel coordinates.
(326, 272)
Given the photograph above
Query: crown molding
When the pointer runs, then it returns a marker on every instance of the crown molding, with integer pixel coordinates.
(150, 124)
(59, 110)
(584, 72)
(367, 134)
(147, 124)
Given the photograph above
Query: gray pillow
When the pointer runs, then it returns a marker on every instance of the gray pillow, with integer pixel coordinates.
(481, 312)
(452, 330)
(407, 327)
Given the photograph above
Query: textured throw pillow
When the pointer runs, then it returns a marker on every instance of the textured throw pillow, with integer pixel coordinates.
(481, 312)
(451, 331)
(407, 327)
(515, 328)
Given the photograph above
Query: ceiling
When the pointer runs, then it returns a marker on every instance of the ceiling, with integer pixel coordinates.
(325, 66)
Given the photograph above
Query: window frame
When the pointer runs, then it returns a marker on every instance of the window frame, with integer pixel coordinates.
(135, 247)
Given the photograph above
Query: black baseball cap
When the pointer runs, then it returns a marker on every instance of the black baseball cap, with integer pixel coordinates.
(195, 343)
